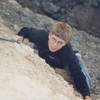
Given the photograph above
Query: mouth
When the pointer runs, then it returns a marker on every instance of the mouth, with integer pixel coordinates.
(52, 49)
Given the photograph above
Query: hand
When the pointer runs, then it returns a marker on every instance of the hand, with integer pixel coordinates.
(19, 39)
(87, 98)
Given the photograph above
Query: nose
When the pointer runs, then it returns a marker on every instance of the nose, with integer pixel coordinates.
(55, 44)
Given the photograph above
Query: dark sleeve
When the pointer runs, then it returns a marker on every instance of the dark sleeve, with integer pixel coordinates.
(33, 35)
(76, 72)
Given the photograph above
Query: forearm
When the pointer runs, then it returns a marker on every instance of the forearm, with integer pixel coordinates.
(33, 35)
(27, 33)
(83, 88)
(23, 32)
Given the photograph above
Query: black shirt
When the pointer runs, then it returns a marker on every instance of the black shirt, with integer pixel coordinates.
(61, 58)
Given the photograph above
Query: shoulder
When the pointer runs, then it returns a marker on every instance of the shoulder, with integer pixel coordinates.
(36, 30)
(33, 30)
(67, 48)
(67, 52)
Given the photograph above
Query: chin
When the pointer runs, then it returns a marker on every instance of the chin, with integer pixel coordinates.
(52, 50)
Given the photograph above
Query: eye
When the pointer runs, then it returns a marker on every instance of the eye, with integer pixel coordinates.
(59, 42)
(53, 38)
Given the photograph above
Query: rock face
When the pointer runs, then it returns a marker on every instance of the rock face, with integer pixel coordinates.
(87, 19)
(13, 17)
(25, 76)
(16, 17)
(83, 14)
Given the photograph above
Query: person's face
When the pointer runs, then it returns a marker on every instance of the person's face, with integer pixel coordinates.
(55, 43)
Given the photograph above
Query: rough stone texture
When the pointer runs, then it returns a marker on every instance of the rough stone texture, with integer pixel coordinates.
(87, 19)
(14, 17)
(25, 76)
(82, 14)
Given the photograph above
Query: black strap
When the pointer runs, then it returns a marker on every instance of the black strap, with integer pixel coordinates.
(13, 41)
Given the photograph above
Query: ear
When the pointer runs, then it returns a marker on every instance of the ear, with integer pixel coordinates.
(49, 35)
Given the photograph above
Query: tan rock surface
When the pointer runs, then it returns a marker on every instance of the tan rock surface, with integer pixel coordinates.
(25, 76)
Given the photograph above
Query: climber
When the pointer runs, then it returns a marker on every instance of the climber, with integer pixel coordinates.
(55, 48)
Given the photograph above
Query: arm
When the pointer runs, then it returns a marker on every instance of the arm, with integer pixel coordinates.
(77, 74)
(33, 35)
